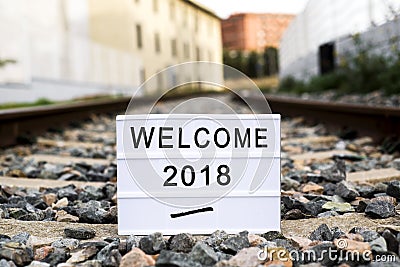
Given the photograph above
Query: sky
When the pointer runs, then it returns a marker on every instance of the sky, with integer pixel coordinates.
(224, 8)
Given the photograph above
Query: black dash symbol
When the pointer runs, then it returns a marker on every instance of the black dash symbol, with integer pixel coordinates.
(176, 215)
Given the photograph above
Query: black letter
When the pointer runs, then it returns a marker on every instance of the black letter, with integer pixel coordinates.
(161, 137)
(180, 140)
(228, 138)
(258, 137)
(142, 131)
(238, 137)
(197, 141)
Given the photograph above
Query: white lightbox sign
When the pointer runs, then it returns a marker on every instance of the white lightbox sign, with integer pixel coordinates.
(197, 173)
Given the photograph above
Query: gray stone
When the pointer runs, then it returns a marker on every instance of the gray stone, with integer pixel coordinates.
(336, 173)
(66, 243)
(98, 244)
(272, 235)
(368, 235)
(39, 264)
(378, 245)
(17, 213)
(5, 263)
(21, 238)
(223, 256)
(17, 253)
(322, 233)
(216, 238)
(396, 164)
(380, 209)
(68, 176)
(320, 250)
(39, 215)
(93, 212)
(289, 184)
(182, 242)
(109, 190)
(58, 256)
(203, 254)
(109, 256)
(91, 263)
(152, 244)
(93, 193)
(4, 238)
(327, 214)
(346, 190)
(234, 244)
(170, 258)
(294, 214)
(329, 189)
(82, 255)
(381, 188)
(337, 233)
(391, 241)
(314, 207)
(79, 233)
(132, 242)
(68, 192)
(366, 191)
(362, 205)
(393, 189)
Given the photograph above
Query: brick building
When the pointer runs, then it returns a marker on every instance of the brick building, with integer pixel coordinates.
(254, 32)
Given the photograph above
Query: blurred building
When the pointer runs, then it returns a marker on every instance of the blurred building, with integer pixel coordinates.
(70, 48)
(254, 32)
(311, 43)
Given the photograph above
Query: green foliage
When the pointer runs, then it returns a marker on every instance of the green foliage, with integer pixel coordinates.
(361, 72)
(271, 60)
(235, 59)
(292, 85)
(4, 62)
(253, 64)
(39, 102)
(43, 101)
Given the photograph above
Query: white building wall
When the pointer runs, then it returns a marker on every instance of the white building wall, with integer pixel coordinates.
(324, 21)
(59, 57)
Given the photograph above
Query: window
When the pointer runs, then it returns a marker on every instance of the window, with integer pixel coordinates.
(174, 48)
(198, 54)
(139, 41)
(186, 51)
(155, 6)
(185, 15)
(159, 81)
(157, 43)
(172, 9)
(142, 75)
(196, 22)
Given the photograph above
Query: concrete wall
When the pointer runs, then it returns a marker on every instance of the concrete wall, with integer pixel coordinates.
(324, 21)
(72, 48)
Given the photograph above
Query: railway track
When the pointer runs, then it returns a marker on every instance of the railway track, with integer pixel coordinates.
(66, 180)
(378, 122)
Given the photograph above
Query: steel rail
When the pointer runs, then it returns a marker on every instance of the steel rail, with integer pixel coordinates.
(378, 122)
(27, 122)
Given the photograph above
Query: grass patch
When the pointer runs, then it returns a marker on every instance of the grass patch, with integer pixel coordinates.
(39, 102)
(45, 102)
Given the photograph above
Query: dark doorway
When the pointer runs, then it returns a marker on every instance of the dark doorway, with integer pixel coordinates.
(327, 58)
